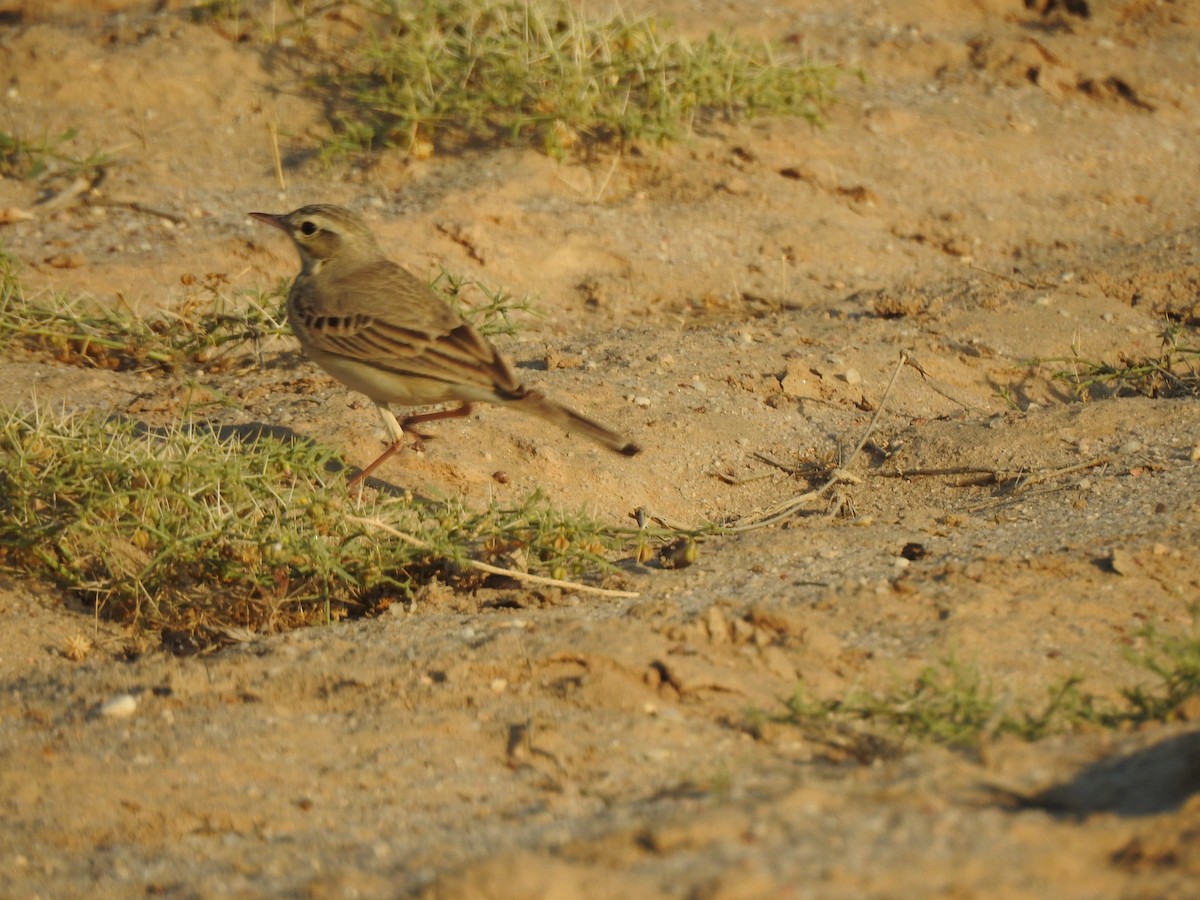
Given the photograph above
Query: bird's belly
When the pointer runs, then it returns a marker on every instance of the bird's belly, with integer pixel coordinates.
(383, 386)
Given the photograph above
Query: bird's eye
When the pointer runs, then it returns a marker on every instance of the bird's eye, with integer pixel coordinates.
(308, 229)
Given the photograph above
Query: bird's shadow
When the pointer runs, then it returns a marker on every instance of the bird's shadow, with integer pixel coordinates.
(1155, 779)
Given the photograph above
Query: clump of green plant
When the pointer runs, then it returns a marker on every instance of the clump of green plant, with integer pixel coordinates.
(208, 10)
(954, 704)
(1175, 663)
(86, 332)
(194, 528)
(1174, 372)
(494, 315)
(32, 158)
(455, 72)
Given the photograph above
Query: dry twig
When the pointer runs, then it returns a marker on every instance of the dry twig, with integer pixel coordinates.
(490, 569)
(781, 511)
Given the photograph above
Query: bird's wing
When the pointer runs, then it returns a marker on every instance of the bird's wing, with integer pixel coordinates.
(383, 316)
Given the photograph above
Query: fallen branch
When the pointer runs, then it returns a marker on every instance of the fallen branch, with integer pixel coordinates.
(490, 569)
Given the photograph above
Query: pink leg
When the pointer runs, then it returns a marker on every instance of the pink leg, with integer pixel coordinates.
(397, 431)
(383, 457)
(456, 413)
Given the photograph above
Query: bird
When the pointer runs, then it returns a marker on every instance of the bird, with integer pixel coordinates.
(379, 330)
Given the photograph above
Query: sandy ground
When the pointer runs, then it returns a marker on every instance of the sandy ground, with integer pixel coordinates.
(1008, 183)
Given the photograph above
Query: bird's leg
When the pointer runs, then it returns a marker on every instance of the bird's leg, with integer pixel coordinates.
(457, 413)
(395, 430)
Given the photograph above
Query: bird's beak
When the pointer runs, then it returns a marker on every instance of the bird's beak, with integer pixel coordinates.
(279, 222)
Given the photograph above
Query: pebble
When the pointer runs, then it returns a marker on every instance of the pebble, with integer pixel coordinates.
(66, 260)
(119, 707)
(1122, 561)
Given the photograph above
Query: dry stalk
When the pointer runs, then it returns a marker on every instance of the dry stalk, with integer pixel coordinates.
(841, 474)
(490, 569)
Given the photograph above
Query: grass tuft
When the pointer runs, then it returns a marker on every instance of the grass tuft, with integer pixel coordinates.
(196, 529)
(450, 73)
(1174, 372)
(33, 158)
(492, 317)
(87, 333)
(954, 704)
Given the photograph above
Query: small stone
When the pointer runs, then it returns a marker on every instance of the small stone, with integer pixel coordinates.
(119, 707)
(718, 627)
(558, 360)
(852, 376)
(1122, 561)
(66, 260)
(800, 382)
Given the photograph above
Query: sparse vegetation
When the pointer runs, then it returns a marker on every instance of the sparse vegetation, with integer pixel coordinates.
(494, 315)
(455, 72)
(1175, 372)
(33, 158)
(196, 528)
(86, 332)
(955, 704)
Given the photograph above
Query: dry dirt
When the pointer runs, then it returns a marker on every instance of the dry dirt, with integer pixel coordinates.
(1009, 182)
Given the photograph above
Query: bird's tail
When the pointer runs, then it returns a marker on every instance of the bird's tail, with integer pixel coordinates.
(535, 404)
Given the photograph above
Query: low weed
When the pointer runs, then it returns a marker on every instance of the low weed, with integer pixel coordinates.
(453, 73)
(32, 158)
(956, 705)
(194, 528)
(1174, 372)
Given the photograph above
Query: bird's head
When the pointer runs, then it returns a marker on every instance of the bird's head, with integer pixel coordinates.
(323, 233)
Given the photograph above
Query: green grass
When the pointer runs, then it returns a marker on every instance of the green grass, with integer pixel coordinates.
(192, 527)
(31, 158)
(956, 705)
(445, 74)
(1174, 372)
(1174, 661)
(495, 315)
(953, 705)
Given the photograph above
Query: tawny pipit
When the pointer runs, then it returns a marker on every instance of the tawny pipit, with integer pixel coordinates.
(379, 330)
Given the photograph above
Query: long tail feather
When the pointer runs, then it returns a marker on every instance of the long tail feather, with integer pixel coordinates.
(536, 404)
